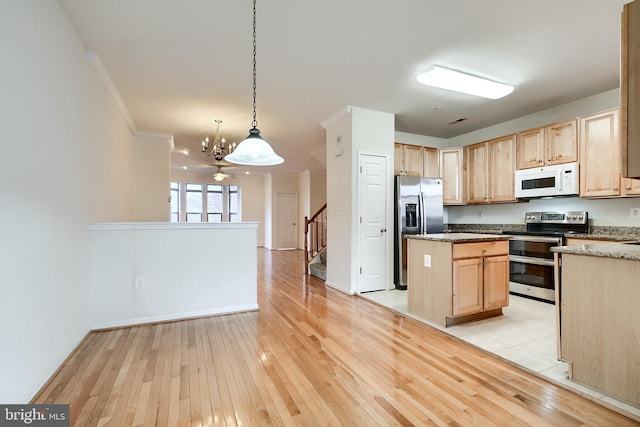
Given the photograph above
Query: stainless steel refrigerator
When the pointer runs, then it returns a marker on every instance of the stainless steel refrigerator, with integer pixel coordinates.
(418, 210)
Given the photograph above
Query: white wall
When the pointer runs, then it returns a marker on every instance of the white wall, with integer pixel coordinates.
(281, 183)
(304, 202)
(339, 194)
(422, 140)
(151, 175)
(312, 190)
(252, 190)
(66, 150)
(267, 214)
(185, 270)
(318, 197)
(349, 133)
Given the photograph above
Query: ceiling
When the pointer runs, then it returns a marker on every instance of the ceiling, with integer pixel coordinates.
(180, 65)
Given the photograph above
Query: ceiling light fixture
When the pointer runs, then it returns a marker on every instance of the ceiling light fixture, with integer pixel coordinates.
(219, 149)
(253, 150)
(457, 81)
(220, 175)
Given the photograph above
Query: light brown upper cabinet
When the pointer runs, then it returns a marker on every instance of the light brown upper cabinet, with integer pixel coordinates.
(549, 145)
(415, 160)
(600, 165)
(600, 158)
(630, 90)
(430, 162)
(476, 172)
(630, 187)
(451, 171)
(490, 170)
(407, 159)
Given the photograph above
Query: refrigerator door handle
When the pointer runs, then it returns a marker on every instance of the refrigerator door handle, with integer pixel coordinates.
(422, 219)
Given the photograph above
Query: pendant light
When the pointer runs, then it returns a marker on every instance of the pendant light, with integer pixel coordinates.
(253, 150)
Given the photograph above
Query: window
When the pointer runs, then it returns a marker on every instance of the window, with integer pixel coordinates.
(205, 202)
(194, 203)
(175, 202)
(214, 203)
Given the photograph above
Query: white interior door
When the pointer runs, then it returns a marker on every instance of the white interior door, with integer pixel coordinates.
(373, 223)
(287, 221)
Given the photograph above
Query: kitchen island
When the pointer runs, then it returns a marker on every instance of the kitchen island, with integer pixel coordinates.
(599, 317)
(457, 277)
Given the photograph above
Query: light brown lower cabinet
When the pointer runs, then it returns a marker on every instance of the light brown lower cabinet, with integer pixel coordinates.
(451, 283)
(600, 323)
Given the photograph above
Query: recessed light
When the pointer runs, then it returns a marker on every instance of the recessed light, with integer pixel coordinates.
(457, 81)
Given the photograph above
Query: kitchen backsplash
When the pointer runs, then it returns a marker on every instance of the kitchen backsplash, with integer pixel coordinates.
(604, 231)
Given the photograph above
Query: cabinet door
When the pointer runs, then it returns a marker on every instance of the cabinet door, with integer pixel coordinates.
(430, 162)
(496, 282)
(600, 165)
(561, 142)
(451, 173)
(476, 172)
(413, 160)
(630, 89)
(630, 187)
(467, 286)
(530, 149)
(398, 159)
(502, 165)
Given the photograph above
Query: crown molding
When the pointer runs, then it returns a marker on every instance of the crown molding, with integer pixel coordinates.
(161, 135)
(98, 68)
(335, 116)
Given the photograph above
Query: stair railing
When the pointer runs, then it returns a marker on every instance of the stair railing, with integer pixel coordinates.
(315, 235)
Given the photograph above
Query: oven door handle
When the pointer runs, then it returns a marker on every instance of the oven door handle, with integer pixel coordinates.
(528, 260)
(542, 239)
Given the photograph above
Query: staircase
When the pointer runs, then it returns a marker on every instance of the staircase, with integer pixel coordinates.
(318, 267)
(315, 244)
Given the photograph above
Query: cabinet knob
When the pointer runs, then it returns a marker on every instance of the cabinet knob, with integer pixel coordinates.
(549, 159)
(383, 230)
(615, 188)
(627, 188)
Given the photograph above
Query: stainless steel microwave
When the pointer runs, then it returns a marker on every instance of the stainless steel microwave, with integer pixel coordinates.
(547, 181)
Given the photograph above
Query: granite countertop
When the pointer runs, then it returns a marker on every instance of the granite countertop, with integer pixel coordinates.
(608, 250)
(620, 237)
(458, 237)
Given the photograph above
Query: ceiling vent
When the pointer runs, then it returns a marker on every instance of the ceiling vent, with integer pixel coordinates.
(456, 121)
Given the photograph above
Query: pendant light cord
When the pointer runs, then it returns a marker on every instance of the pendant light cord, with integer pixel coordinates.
(255, 122)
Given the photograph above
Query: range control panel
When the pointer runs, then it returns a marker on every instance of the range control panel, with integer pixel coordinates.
(571, 217)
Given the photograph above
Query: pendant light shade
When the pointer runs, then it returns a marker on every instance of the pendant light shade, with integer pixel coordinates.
(253, 150)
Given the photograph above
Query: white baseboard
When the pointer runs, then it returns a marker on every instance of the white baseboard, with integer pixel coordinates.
(171, 317)
(338, 288)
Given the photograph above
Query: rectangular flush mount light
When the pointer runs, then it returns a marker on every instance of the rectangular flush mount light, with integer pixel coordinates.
(461, 82)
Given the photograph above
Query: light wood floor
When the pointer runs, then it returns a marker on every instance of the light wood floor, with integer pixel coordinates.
(309, 356)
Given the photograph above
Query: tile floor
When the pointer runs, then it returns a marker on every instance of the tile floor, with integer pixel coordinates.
(525, 334)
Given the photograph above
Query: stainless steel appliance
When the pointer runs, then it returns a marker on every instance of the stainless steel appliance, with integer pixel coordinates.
(547, 181)
(531, 261)
(418, 210)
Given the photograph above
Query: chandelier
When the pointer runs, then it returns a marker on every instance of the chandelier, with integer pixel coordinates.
(254, 150)
(220, 148)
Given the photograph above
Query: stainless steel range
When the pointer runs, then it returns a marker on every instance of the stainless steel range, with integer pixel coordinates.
(530, 258)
